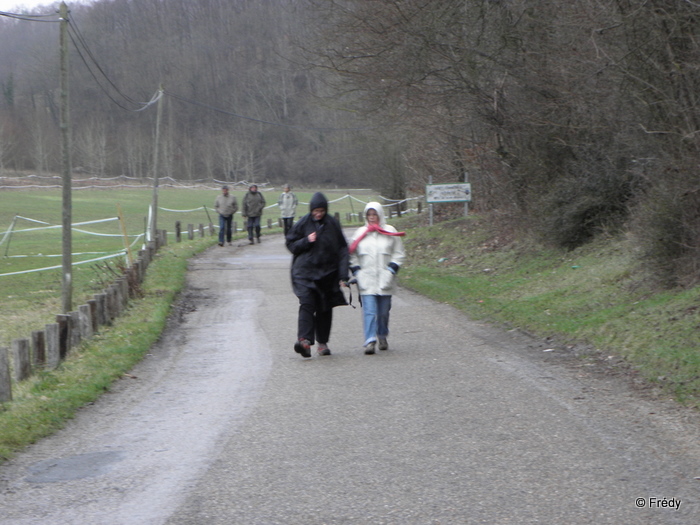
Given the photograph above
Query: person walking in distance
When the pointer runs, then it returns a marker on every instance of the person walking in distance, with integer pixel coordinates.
(376, 255)
(288, 207)
(253, 205)
(319, 264)
(225, 205)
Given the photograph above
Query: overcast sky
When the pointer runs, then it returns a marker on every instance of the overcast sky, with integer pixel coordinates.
(9, 6)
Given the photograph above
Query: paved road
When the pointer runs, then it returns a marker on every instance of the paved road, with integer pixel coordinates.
(458, 423)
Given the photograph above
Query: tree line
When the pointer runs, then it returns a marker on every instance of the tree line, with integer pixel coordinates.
(575, 118)
(237, 104)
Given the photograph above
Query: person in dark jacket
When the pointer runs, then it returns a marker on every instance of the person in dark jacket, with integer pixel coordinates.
(319, 264)
(253, 206)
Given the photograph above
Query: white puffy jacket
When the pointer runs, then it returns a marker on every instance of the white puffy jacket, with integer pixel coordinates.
(370, 262)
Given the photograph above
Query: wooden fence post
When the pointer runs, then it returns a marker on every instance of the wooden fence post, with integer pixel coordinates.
(5, 379)
(85, 321)
(92, 304)
(53, 346)
(63, 322)
(100, 300)
(75, 335)
(190, 231)
(39, 348)
(22, 359)
(141, 271)
(178, 231)
(114, 302)
(201, 230)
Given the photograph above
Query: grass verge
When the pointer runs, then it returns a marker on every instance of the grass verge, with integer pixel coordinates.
(595, 296)
(42, 404)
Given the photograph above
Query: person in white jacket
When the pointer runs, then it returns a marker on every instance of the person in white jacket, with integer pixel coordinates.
(287, 203)
(376, 255)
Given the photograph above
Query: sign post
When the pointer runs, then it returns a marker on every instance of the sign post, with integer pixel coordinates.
(456, 192)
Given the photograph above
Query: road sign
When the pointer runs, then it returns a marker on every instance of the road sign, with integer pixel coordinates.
(458, 192)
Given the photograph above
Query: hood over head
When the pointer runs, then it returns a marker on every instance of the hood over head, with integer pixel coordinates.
(318, 201)
(380, 211)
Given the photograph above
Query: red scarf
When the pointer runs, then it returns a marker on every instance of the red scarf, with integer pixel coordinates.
(373, 228)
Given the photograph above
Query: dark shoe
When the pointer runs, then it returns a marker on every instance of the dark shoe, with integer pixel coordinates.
(250, 241)
(303, 347)
(221, 244)
(323, 349)
(383, 345)
(369, 348)
(258, 240)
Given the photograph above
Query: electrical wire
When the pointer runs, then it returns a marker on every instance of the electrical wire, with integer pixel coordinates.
(31, 18)
(76, 36)
(88, 58)
(280, 124)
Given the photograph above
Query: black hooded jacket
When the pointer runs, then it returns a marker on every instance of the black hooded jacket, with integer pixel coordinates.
(322, 264)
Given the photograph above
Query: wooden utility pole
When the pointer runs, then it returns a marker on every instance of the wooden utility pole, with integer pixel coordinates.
(127, 246)
(67, 264)
(156, 148)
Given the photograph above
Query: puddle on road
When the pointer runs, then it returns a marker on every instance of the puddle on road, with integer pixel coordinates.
(73, 467)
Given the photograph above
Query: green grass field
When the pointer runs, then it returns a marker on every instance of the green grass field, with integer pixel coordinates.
(30, 300)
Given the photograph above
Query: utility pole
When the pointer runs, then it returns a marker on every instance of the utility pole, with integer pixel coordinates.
(67, 260)
(156, 147)
(466, 203)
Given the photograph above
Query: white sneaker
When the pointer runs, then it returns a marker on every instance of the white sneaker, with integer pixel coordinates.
(369, 348)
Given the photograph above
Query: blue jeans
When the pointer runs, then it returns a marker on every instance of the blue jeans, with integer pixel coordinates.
(375, 316)
(225, 228)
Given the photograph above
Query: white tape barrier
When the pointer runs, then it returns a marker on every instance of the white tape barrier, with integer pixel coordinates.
(57, 226)
(184, 211)
(112, 256)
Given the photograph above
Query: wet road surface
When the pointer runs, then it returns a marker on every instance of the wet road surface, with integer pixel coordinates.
(458, 422)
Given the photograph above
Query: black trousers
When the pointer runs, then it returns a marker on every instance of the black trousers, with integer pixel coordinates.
(288, 223)
(253, 227)
(314, 322)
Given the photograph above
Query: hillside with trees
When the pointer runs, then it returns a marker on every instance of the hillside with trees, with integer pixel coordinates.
(574, 118)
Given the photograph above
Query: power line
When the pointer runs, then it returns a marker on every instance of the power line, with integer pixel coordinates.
(73, 28)
(87, 57)
(31, 18)
(281, 124)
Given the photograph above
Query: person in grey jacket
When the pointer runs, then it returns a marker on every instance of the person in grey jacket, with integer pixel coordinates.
(288, 207)
(253, 205)
(225, 205)
(376, 255)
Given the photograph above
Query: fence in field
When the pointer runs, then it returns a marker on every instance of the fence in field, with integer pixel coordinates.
(45, 349)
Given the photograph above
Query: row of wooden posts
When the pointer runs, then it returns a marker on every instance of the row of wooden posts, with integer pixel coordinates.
(45, 349)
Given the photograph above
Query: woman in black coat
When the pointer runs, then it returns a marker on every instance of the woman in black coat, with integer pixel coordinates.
(319, 265)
